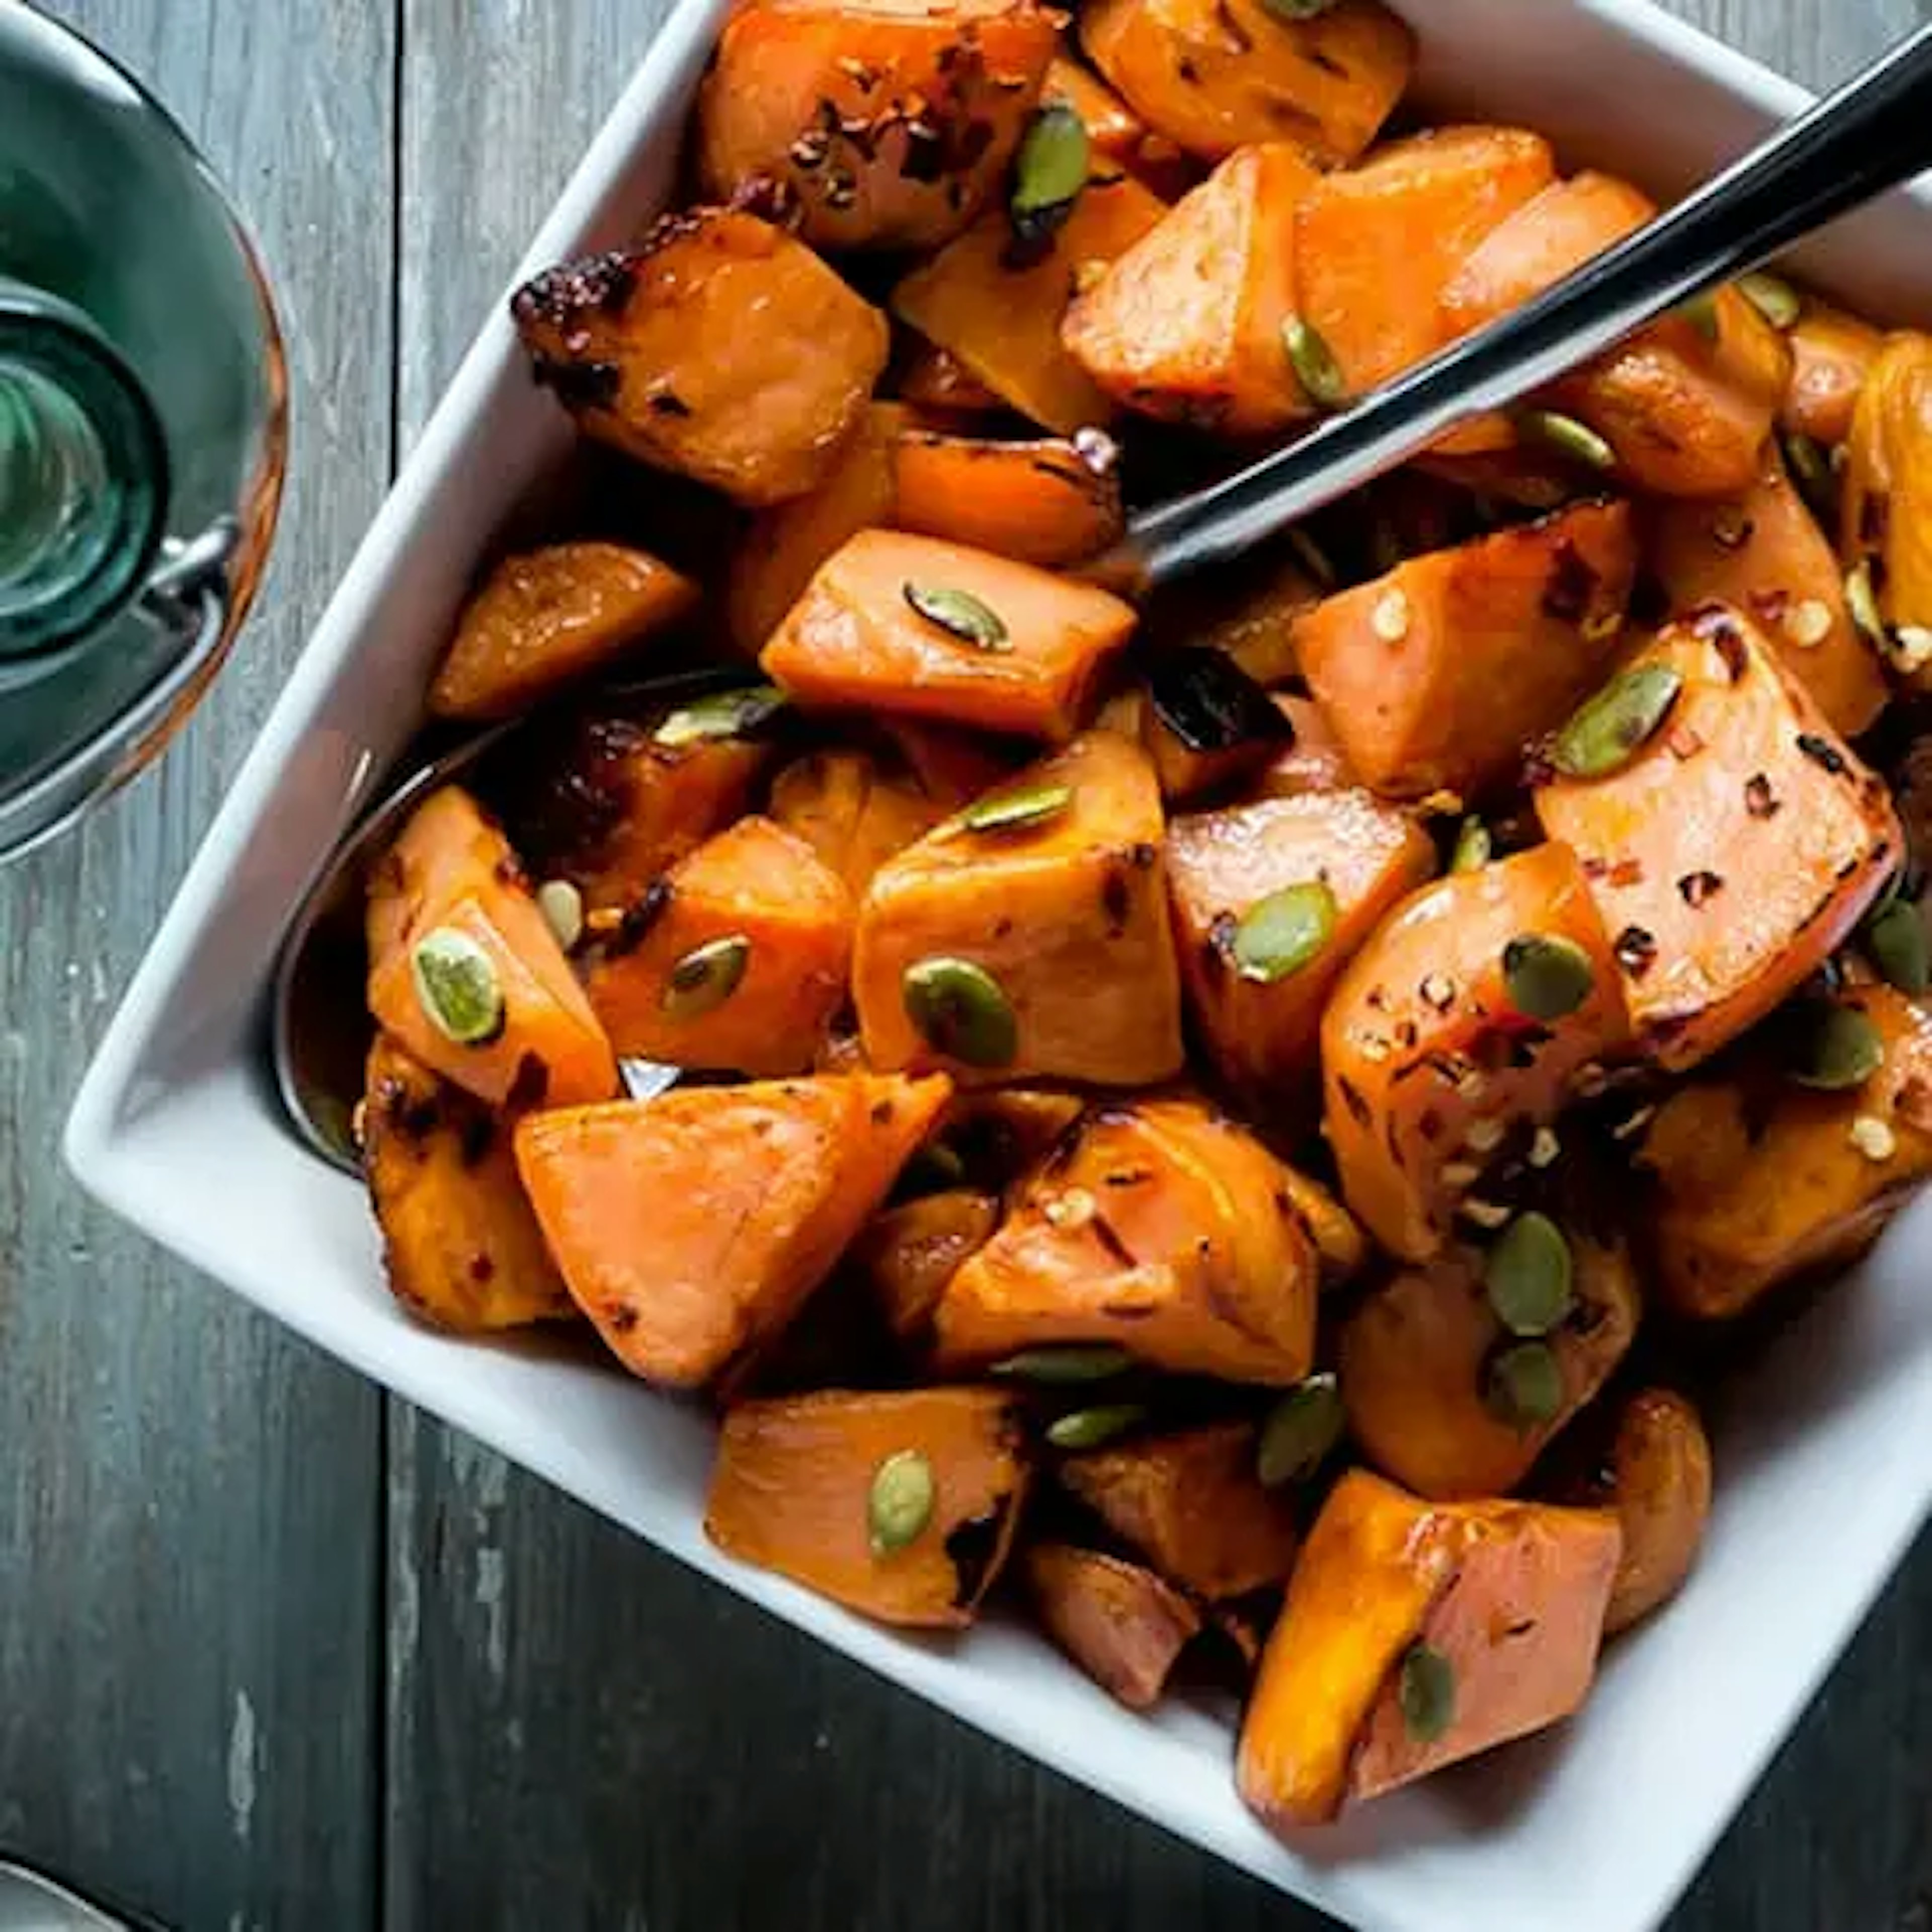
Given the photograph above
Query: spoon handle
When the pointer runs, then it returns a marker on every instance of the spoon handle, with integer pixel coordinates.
(1872, 132)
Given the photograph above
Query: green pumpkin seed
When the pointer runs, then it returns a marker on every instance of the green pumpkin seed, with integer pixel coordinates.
(727, 714)
(1282, 934)
(1895, 938)
(960, 1011)
(1092, 1428)
(705, 978)
(1474, 847)
(1528, 1275)
(1049, 171)
(1701, 313)
(561, 905)
(1547, 976)
(1301, 1431)
(456, 983)
(1567, 437)
(1294, 10)
(1833, 1048)
(899, 1505)
(1607, 731)
(1426, 1690)
(1066, 1364)
(960, 614)
(1773, 297)
(1316, 368)
(1524, 1386)
(1018, 809)
(1861, 599)
(1811, 470)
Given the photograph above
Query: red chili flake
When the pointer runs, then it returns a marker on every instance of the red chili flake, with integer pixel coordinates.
(1769, 606)
(1759, 800)
(1684, 742)
(1699, 888)
(1407, 1033)
(1626, 873)
(1822, 752)
(1636, 950)
(1731, 530)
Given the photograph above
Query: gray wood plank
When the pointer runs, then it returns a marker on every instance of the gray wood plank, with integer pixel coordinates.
(189, 1559)
(583, 1734)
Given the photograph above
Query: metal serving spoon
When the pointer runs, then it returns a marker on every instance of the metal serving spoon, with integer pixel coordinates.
(1872, 133)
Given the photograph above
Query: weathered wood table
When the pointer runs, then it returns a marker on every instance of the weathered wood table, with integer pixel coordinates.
(276, 1652)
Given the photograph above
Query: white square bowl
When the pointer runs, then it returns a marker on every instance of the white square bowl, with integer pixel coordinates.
(1825, 1473)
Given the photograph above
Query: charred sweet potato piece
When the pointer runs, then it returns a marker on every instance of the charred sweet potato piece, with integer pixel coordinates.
(824, 1488)
(460, 1247)
(1187, 324)
(1038, 948)
(1211, 75)
(1415, 1634)
(1247, 611)
(1436, 676)
(1122, 1624)
(1737, 847)
(907, 1254)
(1162, 1228)
(853, 810)
(743, 966)
(1203, 721)
(886, 124)
(1763, 551)
(1427, 1058)
(1417, 1361)
(1832, 354)
(720, 347)
(1887, 500)
(691, 1228)
(1759, 1179)
(451, 885)
(1374, 246)
(1115, 132)
(1193, 1506)
(1040, 502)
(547, 617)
(1343, 858)
(934, 630)
(935, 383)
(997, 306)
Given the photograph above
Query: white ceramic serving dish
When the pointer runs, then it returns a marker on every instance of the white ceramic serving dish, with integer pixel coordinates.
(1597, 1829)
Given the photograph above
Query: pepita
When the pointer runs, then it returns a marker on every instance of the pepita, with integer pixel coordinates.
(960, 1011)
(1049, 171)
(1811, 470)
(1528, 1275)
(1301, 1431)
(1524, 1386)
(1773, 297)
(1547, 975)
(561, 905)
(899, 1505)
(1474, 847)
(1020, 808)
(456, 981)
(1895, 938)
(1282, 934)
(1064, 1363)
(960, 614)
(1298, 9)
(1567, 436)
(1833, 1048)
(1426, 1690)
(1092, 1428)
(706, 977)
(1608, 729)
(1313, 361)
(1700, 311)
(726, 714)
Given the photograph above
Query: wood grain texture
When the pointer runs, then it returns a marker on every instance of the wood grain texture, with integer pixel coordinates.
(189, 1497)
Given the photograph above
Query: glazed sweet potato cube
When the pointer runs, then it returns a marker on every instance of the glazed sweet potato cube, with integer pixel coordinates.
(1206, 724)
(691, 1228)
(1887, 505)
(1041, 501)
(902, 1506)
(1418, 1363)
(1416, 1634)
(742, 967)
(1437, 676)
(997, 306)
(460, 1247)
(934, 630)
(1213, 77)
(1338, 861)
(854, 811)
(1759, 1179)
(1376, 246)
(719, 346)
(1193, 1505)
(1428, 1053)
(1036, 948)
(907, 1254)
(1162, 1228)
(1832, 354)
(1121, 1623)
(449, 901)
(1186, 325)
(885, 124)
(547, 617)
(1763, 551)
(1734, 850)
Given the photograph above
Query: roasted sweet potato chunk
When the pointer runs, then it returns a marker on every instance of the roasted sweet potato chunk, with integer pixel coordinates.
(547, 617)
(827, 1489)
(1416, 1634)
(1331, 864)
(1436, 676)
(635, 345)
(460, 1245)
(908, 1253)
(1203, 721)
(1162, 1228)
(934, 630)
(1040, 947)
(1186, 325)
(1887, 500)
(854, 811)
(1737, 846)
(1193, 1506)
(742, 967)
(1122, 1624)
(450, 889)
(1759, 1179)
(1041, 501)
(887, 123)
(1831, 355)
(1213, 77)
(1428, 1058)
(691, 1228)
